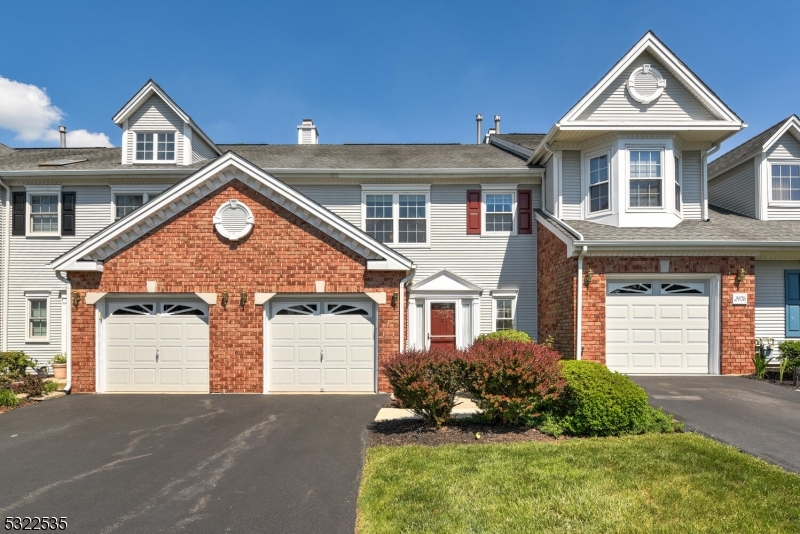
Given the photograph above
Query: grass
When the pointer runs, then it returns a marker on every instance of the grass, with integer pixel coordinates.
(650, 483)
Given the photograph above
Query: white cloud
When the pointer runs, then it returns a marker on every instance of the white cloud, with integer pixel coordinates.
(26, 110)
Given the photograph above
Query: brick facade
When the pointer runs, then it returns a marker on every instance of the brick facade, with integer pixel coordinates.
(283, 254)
(557, 299)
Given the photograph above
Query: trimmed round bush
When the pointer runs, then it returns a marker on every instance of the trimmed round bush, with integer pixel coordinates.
(511, 381)
(505, 335)
(599, 402)
(426, 381)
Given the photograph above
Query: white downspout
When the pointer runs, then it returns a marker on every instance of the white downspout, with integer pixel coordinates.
(579, 321)
(704, 166)
(6, 256)
(403, 305)
(66, 323)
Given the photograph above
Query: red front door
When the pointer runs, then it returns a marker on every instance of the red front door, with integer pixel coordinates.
(443, 325)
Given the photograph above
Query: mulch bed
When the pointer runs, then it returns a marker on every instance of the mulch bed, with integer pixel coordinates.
(788, 382)
(22, 402)
(415, 432)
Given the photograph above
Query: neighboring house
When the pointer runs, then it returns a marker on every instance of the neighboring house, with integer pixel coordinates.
(759, 182)
(174, 263)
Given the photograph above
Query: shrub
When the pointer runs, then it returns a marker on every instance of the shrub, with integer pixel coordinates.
(50, 386)
(14, 364)
(426, 381)
(8, 398)
(760, 363)
(33, 385)
(59, 358)
(598, 402)
(512, 381)
(505, 335)
(791, 351)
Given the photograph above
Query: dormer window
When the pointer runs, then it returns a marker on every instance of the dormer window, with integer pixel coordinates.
(645, 178)
(155, 147)
(598, 183)
(786, 183)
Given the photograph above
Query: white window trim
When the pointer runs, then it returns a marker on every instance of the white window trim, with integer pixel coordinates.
(155, 147)
(396, 191)
(504, 294)
(33, 191)
(37, 295)
(779, 203)
(499, 190)
(626, 164)
(588, 213)
(679, 155)
(147, 191)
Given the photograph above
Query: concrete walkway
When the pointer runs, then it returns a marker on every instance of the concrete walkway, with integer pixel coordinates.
(464, 408)
(757, 417)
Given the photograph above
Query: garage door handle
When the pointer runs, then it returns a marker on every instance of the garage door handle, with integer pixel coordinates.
(320, 354)
(156, 355)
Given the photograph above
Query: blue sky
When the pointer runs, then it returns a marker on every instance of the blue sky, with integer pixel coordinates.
(382, 72)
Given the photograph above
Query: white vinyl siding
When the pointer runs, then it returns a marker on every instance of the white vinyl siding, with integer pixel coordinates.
(787, 147)
(735, 189)
(155, 116)
(548, 186)
(507, 262)
(200, 150)
(571, 184)
(676, 103)
(691, 186)
(771, 300)
(4, 233)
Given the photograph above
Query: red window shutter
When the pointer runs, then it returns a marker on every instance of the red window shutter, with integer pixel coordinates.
(474, 212)
(524, 216)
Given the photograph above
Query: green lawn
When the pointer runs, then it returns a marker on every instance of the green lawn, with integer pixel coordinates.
(652, 483)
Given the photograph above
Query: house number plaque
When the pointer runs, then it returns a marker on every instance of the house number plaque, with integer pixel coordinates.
(740, 299)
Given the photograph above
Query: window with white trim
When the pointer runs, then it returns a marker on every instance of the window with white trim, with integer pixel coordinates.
(785, 183)
(504, 314)
(43, 214)
(677, 184)
(645, 178)
(397, 218)
(499, 212)
(126, 200)
(598, 183)
(37, 319)
(155, 147)
(127, 203)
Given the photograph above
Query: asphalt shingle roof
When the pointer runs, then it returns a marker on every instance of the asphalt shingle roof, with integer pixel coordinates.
(527, 140)
(5, 150)
(733, 156)
(723, 226)
(287, 157)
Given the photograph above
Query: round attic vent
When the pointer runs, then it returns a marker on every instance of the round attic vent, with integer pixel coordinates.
(646, 84)
(233, 220)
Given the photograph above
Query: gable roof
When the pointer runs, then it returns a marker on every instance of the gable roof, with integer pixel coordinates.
(521, 144)
(445, 280)
(89, 254)
(760, 143)
(5, 150)
(142, 95)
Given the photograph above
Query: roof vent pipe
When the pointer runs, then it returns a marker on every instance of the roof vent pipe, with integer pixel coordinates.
(307, 133)
(497, 124)
(62, 130)
(479, 120)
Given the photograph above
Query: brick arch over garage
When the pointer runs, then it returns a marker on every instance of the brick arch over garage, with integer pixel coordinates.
(283, 254)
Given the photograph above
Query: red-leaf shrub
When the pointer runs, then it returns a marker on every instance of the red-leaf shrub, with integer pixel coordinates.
(426, 381)
(512, 381)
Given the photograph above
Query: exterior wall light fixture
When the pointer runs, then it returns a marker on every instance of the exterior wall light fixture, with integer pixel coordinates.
(740, 276)
(395, 298)
(242, 298)
(76, 298)
(588, 278)
(225, 298)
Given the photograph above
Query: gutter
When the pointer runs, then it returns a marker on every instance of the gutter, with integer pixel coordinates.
(67, 326)
(403, 283)
(579, 320)
(667, 245)
(5, 264)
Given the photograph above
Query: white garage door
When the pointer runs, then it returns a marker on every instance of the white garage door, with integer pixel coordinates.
(658, 327)
(322, 346)
(157, 346)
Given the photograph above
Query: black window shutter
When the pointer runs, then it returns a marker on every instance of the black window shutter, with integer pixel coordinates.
(67, 213)
(18, 213)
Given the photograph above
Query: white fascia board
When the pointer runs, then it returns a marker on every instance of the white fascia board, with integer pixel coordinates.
(390, 174)
(149, 89)
(519, 150)
(669, 245)
(792, 124)
(99, 173)
(204, 137)
(682, 126)
(387, 265)
(83, 266)
(650, 43)
(559, 233)
(541, 149)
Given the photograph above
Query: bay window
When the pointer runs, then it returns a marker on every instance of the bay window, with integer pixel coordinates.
(645, 180)
(598, 183)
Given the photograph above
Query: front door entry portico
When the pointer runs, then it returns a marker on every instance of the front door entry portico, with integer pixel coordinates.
(443, 324)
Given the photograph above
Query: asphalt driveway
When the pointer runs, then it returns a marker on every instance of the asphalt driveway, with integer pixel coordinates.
(756, 417)
(193, 463)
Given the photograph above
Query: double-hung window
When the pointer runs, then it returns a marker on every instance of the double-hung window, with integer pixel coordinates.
(37, 317)
(677, 184)
(598, 183)
(499, 216)
(646, 178)
(127, 203)
(397, 218)
(43, 214)
(786, 183)
(155, 147)
(504, 309)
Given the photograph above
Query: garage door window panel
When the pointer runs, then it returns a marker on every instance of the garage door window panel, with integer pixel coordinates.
(299, 309)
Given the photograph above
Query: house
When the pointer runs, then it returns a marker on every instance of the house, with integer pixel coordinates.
(175, 264)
